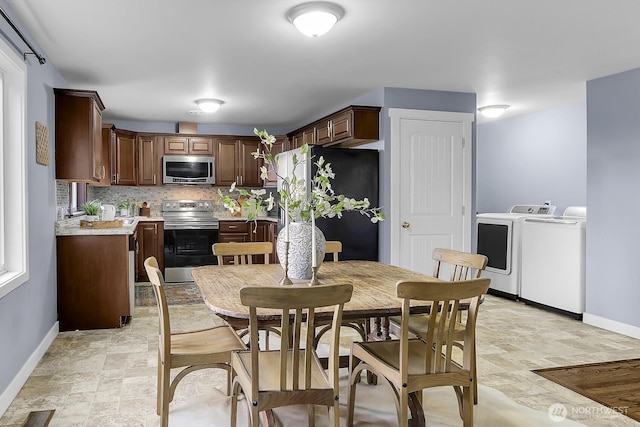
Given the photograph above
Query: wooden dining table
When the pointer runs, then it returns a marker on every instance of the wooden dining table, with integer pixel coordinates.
(374, 295)
(374, 289)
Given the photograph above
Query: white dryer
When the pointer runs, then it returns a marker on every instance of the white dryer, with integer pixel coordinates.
(499, 238)
(553, 261)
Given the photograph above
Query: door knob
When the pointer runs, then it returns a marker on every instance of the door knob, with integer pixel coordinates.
(405, 224)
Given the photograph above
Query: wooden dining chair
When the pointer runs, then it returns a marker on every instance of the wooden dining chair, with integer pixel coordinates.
(411, 365)
(333, 247)
(293, 374)
(242, 252)
(361, 326)
(460, 266)
(207, 348)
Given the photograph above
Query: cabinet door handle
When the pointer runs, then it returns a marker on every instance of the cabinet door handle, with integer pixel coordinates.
(154, 179)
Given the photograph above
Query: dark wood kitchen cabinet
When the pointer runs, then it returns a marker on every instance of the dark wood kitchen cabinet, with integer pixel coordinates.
(349, 127)
(78, 136)
(243, 231)
(150, 243)
(123, 158)
(150, 150)
(195, 145)
(235, 163)
(304, 136)
(93, 281)
(266, 231)
(233, 231)
(107, 135)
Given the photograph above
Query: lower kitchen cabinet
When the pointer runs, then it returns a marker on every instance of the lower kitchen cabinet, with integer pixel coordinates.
(150, 243)
(234, 231)
(243, 231)
(93, 281)
(266, 231)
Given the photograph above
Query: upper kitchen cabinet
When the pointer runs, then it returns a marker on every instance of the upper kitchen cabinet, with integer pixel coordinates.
(304, 136)
(123, 158)
(79, 153)
(235, 163)
(195, 145)
(107, 135)
(352, 126)
(150, 149)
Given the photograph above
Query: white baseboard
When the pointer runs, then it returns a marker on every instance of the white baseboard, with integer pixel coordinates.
(611, 325)
(13, 389)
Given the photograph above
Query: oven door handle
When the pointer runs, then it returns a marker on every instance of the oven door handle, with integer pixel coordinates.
(191, 227)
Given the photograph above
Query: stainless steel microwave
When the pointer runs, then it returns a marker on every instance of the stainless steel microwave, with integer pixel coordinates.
(188, 170)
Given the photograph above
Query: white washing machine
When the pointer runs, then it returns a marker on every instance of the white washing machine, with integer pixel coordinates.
(499, 238)
(553, 261)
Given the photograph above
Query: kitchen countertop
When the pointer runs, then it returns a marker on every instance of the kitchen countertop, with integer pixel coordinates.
(71, 227)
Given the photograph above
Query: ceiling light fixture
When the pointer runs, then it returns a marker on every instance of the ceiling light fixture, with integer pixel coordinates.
(315, 18)
(493, 111)
(209, 105)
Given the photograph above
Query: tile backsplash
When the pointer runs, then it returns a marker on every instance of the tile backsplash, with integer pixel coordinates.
(155, 195)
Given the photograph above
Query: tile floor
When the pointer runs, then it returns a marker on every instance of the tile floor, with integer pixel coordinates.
(107, 377)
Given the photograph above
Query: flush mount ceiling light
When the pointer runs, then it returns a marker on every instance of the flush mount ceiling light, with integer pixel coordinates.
(209, 105)
(315, 18)
(493, 111)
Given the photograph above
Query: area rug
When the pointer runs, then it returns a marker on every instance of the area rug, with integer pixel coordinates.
(613, 384)
(374, 407)
(186, 293)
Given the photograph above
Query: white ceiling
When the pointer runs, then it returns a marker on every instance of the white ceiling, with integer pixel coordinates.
(151, 59)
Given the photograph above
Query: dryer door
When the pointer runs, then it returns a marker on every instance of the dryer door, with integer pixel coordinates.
(494, 241)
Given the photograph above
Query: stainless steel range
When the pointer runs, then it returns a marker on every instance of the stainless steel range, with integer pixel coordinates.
(190, 230)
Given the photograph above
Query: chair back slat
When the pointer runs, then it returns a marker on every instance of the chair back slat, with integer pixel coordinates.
(461, 264)
(333, 247)
(157, 281)
(439, 331)
(297, 307)
(242, 252)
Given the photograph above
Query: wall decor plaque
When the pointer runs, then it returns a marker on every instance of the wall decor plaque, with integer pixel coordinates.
(42, 144)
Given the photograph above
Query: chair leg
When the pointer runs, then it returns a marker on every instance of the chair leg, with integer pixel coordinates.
(351, 400)
(255, 416)
(403, 409)
(234, 405)
(164, 409)
(467, 406)
(311, 413)
(336, 414)
(474, 372)
(159, 387)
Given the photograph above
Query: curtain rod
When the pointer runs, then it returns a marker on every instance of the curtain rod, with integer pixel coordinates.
(41, 59)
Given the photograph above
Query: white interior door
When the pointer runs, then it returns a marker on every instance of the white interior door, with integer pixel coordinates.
(431, 185)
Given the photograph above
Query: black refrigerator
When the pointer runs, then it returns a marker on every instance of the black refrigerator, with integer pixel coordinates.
(356, 176)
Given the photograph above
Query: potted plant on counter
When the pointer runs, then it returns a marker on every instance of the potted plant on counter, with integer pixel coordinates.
(124, 206)
(91, 210)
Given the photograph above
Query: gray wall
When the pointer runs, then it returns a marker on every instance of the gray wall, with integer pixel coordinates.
(29, 312)
(613, 143)
(533, 158)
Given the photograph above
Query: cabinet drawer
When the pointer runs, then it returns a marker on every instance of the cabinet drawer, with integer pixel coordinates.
(234, 227)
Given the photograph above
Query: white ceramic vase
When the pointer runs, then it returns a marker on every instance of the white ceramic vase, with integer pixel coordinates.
(300, 249)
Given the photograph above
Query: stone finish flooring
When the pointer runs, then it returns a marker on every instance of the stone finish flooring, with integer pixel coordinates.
(108, 377)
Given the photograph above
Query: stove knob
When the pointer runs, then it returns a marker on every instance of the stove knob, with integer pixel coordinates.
(206, 204)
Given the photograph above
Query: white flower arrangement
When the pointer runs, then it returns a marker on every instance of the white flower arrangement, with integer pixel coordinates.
(322, 200)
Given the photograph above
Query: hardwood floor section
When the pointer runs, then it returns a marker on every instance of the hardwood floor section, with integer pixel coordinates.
(614, 384)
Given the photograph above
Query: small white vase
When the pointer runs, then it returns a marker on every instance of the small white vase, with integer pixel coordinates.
(300, 249)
